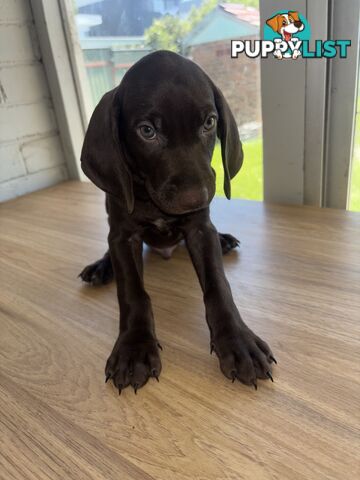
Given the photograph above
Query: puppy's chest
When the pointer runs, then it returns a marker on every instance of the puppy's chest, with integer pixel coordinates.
(161, 232)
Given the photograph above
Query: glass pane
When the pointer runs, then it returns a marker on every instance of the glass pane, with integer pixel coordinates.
(114, 34)
(355, 175)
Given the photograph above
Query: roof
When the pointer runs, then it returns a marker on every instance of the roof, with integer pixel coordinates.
(241, 12)
(112, 42)
(223, 24)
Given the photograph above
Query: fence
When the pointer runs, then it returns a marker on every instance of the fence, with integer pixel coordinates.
(106, 67)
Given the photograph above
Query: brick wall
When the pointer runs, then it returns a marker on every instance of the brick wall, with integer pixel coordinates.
(31, 155)
(238, 79)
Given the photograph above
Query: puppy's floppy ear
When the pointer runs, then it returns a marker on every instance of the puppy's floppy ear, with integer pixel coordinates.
(295, 16)
(103, 156)
(273, 22)
(231, 147)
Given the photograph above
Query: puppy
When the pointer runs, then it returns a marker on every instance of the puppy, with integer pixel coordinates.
(286, 25)
(149, 146)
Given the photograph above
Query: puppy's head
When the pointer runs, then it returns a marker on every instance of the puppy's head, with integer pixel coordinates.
(286, 24)
(160, 126)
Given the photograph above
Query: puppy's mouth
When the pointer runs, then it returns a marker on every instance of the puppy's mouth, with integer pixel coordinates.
(287, 36)
(176, 204)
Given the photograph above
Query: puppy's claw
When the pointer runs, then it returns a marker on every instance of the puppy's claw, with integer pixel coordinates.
(273, 359)
(154, 374)
(211, 348)
(159, 346)
(119, 391)
(255, 384)
(270, 376)
(233, 375)
(136, 386)
(108, 376)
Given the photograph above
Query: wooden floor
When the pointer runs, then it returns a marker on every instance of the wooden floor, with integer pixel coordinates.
(296, 280)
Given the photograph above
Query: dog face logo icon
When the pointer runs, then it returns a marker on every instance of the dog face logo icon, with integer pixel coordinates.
(286, 24)
(285, 29)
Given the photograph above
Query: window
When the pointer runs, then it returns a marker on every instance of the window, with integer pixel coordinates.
(297, 146)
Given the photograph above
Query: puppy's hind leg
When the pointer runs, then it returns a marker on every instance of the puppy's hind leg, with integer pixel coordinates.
(99, 272)
(228, 242)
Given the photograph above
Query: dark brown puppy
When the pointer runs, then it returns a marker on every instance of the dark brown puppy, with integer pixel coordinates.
(149, 146)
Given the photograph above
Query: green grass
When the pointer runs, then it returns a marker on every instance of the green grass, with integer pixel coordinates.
(249, 181)
(355, 176)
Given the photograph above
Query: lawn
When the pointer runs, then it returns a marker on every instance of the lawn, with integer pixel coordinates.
(355, 177)
(249, 182)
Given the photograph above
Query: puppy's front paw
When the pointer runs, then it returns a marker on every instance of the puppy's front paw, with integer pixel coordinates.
(228, 242)
(243, 356)
(99, 272)
(134, 359)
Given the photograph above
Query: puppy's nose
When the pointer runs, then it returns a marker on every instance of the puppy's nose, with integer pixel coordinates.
(193, 198)
(298, 24)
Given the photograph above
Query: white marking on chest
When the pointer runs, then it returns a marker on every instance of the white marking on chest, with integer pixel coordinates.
(161, 224)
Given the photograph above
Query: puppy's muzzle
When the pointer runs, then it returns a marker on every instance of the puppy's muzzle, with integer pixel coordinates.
(174, 200)
(192, 199)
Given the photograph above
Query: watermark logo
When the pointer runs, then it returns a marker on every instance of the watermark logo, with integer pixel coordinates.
(286, 36)
(287, 31)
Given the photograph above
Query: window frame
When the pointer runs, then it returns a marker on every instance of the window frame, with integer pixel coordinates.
(317, 169)
(59, 68)
(341, 105)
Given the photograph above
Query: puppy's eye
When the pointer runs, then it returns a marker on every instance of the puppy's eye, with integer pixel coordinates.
(210, 123)
(147, 132)
(284, 22)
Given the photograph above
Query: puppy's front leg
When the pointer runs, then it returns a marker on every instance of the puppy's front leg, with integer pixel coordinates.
(135, 356)
(242, 354)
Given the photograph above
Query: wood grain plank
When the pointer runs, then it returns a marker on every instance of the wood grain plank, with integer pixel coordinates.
(296, 280)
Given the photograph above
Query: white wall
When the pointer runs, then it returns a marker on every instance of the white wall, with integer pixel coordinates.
(31, 154)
